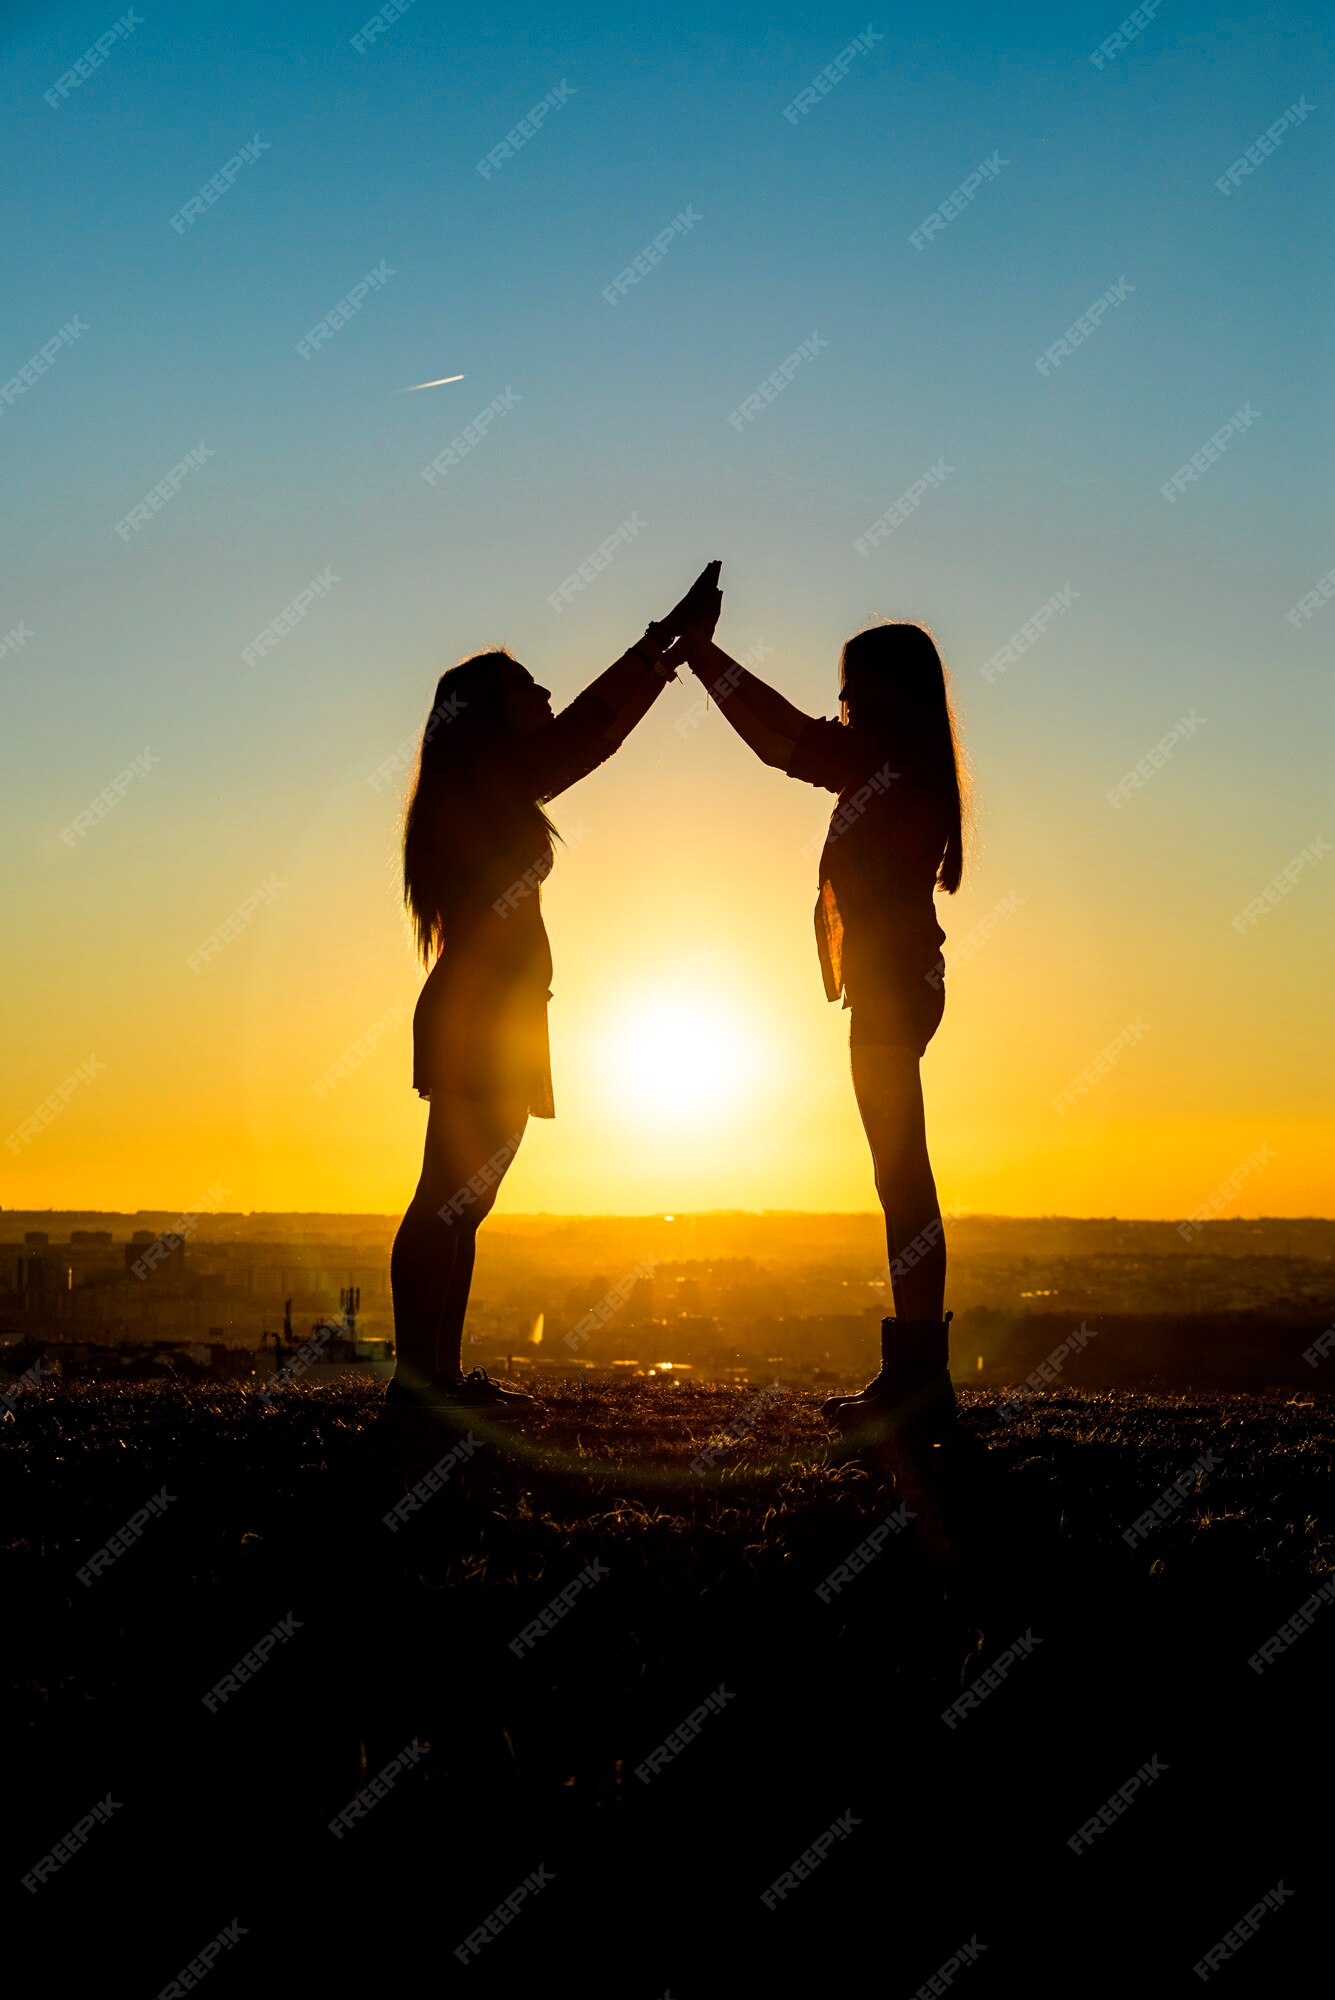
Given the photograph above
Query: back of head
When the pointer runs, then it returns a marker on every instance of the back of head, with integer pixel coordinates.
(894, 687)
(468, 820)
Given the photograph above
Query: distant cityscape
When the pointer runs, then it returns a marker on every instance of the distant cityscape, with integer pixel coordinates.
(789, 1296)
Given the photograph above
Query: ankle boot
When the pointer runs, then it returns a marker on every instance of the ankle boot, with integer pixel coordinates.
(879, 1383)
(913, 1388)
(921, 1395)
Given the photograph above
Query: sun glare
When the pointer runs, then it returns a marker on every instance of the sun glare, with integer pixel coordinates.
(680, 1061)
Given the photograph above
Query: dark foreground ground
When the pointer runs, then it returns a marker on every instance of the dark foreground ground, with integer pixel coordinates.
(827, 1710)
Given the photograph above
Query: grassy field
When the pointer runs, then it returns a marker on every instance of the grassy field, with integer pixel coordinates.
(702, 1539)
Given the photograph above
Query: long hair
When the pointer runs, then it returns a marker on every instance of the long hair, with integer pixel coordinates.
(469, 828)
(896, 686)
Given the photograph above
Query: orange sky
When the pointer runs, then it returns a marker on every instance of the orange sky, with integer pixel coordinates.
(696, 1061)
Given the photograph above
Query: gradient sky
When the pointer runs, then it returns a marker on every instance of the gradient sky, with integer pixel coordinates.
(696, 1061)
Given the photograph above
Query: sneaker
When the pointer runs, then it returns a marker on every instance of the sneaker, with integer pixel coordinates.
(478, 1389)
(476, 1392)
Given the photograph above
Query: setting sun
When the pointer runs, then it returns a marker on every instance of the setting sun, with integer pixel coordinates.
(678, 1060)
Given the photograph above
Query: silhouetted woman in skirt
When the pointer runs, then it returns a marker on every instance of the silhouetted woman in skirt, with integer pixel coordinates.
(477, 846)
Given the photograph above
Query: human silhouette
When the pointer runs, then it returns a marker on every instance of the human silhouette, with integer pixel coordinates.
(477, 846)
(895, 836)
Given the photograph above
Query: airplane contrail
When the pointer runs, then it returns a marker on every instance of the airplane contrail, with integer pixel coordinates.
(432, 385)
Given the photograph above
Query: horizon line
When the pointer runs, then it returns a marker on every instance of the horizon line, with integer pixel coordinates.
(654, 1214)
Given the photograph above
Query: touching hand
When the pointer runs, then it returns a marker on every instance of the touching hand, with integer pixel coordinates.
(701, 604)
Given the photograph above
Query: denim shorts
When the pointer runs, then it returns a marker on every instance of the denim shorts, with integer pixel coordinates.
(898, 1013)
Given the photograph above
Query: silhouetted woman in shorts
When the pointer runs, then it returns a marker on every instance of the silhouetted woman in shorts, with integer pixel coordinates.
(895, 837)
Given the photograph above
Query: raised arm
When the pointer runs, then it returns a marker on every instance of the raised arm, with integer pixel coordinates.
(599, 720)
(759, 713)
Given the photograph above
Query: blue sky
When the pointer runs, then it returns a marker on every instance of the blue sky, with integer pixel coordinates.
(620, 411)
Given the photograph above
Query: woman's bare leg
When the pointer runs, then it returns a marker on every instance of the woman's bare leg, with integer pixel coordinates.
(469, 1147)
(888, 1086)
